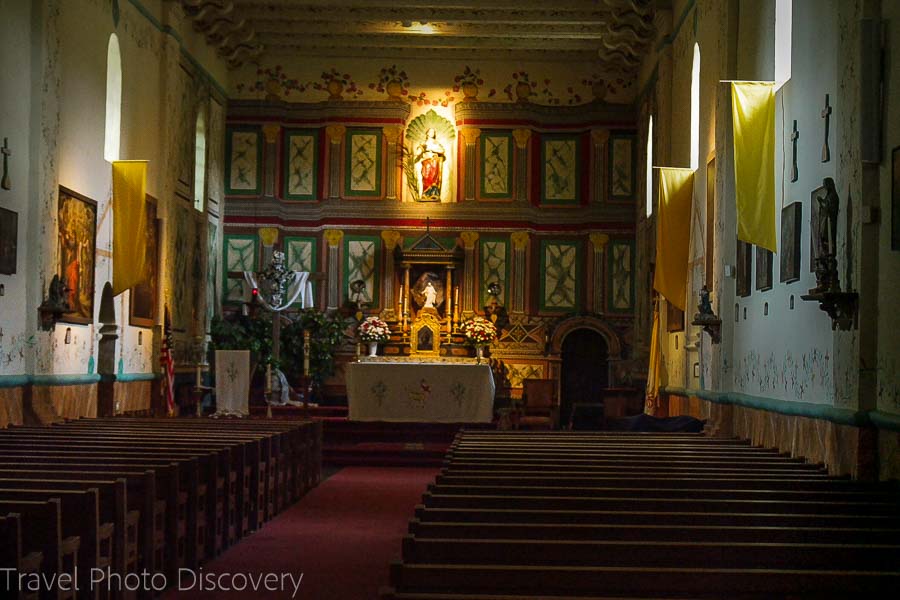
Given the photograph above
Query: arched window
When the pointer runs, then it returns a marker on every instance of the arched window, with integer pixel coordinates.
(695, 109)
(650, 167)
(113, 128)
(783, 24)
(200, 162)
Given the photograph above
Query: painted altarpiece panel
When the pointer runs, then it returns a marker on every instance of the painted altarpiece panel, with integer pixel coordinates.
(496, 149)
(243, 153)
(559, 289)
(240, 254)
(301, 164)
(621, 276)
(621, 167)
(361, 263)
(560, 171)
(300, 255)
(494, 268)
(77, 231)
(362, 170)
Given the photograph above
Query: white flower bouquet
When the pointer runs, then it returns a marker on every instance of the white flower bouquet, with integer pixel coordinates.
(479, 331)
(373, 329)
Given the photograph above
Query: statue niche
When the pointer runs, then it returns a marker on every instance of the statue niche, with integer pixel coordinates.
(428, 295)
(427, 164)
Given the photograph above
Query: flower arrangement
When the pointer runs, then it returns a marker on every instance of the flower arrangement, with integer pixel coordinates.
(467, 77)
(374, 329)
(479, 331)
(344, 79)
(388, 75)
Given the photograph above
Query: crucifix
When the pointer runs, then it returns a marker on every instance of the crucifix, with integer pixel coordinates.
(4, 182)
(826, 114)
(794, 135)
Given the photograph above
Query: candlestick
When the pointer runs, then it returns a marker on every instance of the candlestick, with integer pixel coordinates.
(401, 298)
(198, 380)
(268, 379)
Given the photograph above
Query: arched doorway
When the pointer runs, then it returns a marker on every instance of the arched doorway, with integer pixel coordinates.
(585, 373)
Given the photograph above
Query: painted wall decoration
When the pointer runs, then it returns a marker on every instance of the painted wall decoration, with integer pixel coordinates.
(765, 260)
(300, 255)
(239, 254)
(363, 164)
(496, 160)
(559, 275)
(243, 153)
(789, 258)
(621, 276)
(144, 295)
(301, 160)
(559, 169)
(361, 264)
(188, 279)
(185, 135)
(77, 250)
(212, 272)
(9, 239)
(494, 268)
(621, 167)
(516, 373)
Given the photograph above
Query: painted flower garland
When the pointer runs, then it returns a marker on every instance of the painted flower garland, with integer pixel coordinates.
(373, 329)
(479, 331)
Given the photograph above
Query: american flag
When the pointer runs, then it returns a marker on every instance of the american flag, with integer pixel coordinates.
(167, 361)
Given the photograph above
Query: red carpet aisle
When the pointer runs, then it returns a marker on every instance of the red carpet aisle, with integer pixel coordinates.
(341, 536)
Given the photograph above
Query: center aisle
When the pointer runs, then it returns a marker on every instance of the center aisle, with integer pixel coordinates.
(341, 536)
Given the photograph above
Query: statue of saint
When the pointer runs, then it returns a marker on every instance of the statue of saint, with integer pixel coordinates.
(827, 219)
(430, 158)
(430, 295)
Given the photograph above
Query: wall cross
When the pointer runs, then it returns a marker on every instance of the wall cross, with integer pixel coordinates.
(826, 114)
(4, 182)
(794, 136)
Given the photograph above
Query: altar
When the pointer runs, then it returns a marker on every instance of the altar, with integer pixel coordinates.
(427, 392)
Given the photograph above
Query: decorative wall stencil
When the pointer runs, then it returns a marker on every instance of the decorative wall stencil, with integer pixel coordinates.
(187, 274)
(363, 166)
(621, 276)
(300, 255)
(764, 266)
(9, 237)
(496, 165)
(212, 272)
(243, 153)
(144, 295)
(494, 268)
(185, 135)
(621, 167)
(560, 262)
(77, 249)
(744, 267)
(791, 222)
(361, 263)
(559, 169)
(240, 254)
(301, 163)
(516, 372)
(805, 378)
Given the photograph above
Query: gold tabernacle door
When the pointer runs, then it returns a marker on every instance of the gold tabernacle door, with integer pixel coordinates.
(425, 335)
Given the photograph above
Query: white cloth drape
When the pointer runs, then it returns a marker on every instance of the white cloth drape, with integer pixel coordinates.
(299, 287)
(232, 382)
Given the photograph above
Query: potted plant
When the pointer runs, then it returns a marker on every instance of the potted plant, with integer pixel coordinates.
(336, 83)
(372, 331)
(479, 332)
(392, 81)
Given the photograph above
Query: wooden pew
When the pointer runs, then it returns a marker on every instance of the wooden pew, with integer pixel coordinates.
(42, 533)
(13, 557)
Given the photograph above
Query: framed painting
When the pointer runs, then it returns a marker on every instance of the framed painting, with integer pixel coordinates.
(674, 318)
(301, 164)
(789, 260)
(621, 167)
(142, 311)
(764, 265)
(362, 169)
(9, 241)
(895, 199)
(243, 158)
(560, 170)
(814, 225)
(744, 265)
(77, 232)
(496, 150)
(621, 276)
(559, 268)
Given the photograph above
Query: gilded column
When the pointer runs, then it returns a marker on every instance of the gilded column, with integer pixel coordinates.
(335, 140)
(270, 158)
(519, 241)
(522, 137)
(470, 140)
(599, 140)
(394, 137)
(597, 288)
(333, 238)
(391, 239)
(469, 238)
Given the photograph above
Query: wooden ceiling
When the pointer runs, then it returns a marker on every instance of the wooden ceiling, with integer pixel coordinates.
(610, 33)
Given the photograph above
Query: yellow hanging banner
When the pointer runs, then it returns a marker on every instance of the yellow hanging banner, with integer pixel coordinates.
(753, 117)
(129, 224)
(654, 375)
(673, 234)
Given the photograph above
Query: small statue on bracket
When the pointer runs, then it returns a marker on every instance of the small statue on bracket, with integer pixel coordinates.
(826, 240)
(707, 318)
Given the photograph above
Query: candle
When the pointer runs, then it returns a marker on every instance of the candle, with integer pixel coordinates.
(199, 377)
(401, 297)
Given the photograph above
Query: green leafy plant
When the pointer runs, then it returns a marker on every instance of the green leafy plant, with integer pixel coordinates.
(327, 333)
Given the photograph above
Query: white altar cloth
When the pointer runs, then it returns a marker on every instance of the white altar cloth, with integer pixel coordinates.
(420, 392)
